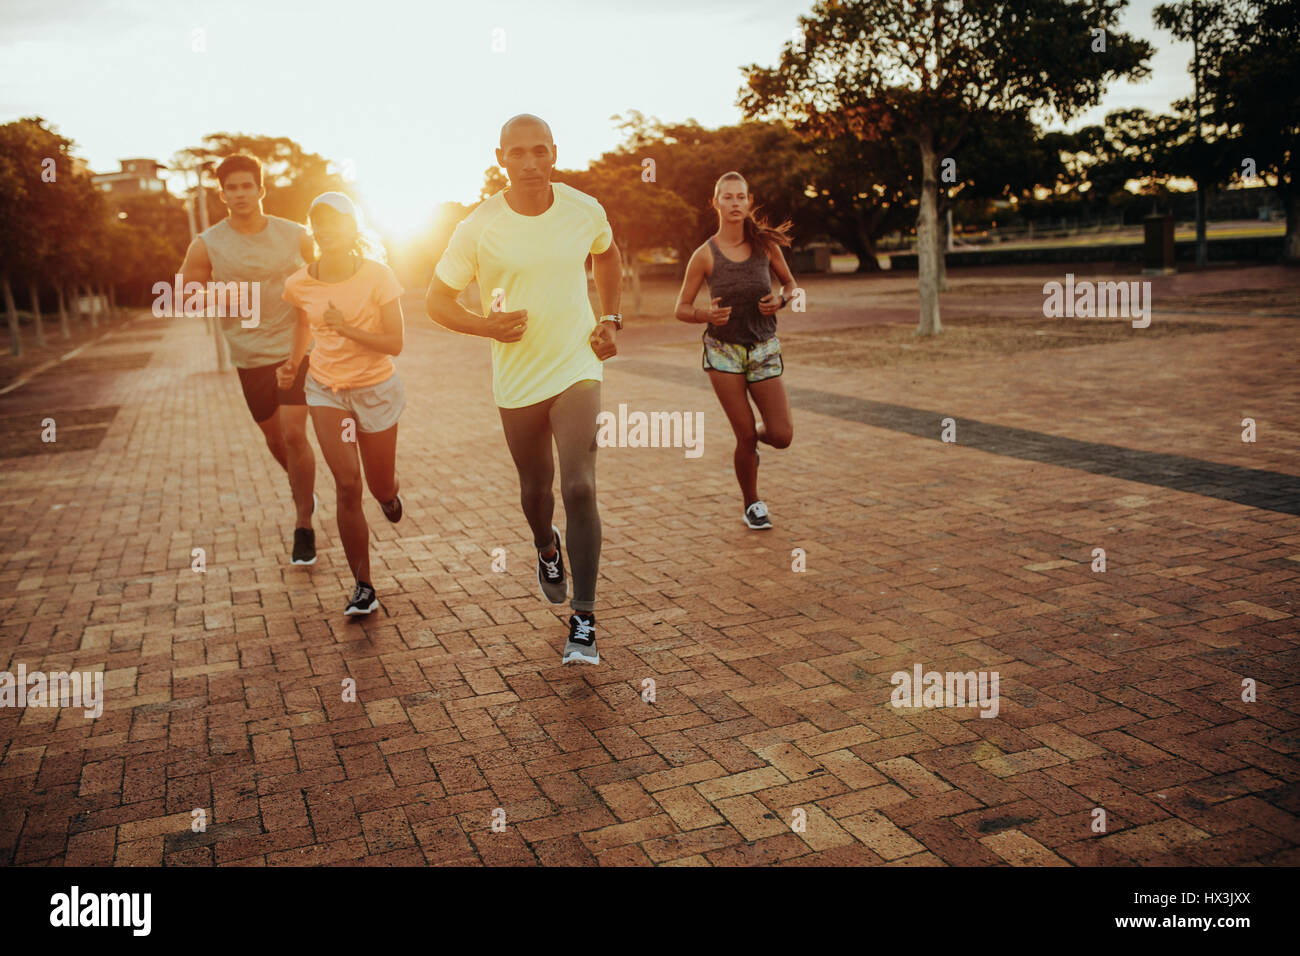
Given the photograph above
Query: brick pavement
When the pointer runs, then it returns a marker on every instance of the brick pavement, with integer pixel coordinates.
(1119, 690)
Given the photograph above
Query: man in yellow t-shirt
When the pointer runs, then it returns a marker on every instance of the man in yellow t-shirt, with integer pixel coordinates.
(527, 247)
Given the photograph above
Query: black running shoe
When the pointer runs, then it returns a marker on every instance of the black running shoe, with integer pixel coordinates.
(581, 645)
(392, 509)
(304, 546)
(363, 601)
(756, 517)
(550, 574)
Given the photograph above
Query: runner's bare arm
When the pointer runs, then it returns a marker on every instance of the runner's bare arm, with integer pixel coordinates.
(783, 271)
(307, 248)
(441, 305)
(607, 270)
(288, 371)
(388, 341)
(196, 267)
(770, 304)
(696, 271)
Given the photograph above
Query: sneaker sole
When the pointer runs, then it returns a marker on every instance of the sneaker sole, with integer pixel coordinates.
(358, 612)
(302, 563)
(577, 657)
(757, 527)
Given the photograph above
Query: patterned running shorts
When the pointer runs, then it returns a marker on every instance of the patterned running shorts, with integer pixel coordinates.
(757, 362)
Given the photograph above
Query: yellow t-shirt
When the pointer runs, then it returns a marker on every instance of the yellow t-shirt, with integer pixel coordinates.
(338, 361)
(534, 263)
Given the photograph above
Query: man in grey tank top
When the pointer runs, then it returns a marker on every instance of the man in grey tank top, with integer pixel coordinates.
(250, 246)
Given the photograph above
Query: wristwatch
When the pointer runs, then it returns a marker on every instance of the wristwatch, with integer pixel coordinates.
(616, 318)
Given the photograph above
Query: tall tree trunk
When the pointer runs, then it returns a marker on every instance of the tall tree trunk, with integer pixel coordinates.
(35, 294)
(868, 261)
(63, 311)
(927, 224)
(865, 246)
(94, 308)
(112, 300)
(15, 336)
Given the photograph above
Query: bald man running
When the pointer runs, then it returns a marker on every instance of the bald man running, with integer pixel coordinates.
(527, 248)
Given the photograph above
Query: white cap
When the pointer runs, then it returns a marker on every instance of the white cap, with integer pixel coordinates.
(338, 202)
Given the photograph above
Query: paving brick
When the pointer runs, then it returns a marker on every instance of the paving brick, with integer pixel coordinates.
(1118, 690)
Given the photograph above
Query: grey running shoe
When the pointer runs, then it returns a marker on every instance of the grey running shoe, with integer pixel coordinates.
(756, 517)
(392, 509)
(363, 601)
(550, 574)
(304, 546)
(581, 645)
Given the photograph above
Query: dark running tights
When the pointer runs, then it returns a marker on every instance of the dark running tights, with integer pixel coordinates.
(571, 418)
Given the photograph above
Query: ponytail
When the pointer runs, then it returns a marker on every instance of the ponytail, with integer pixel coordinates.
(763, 235)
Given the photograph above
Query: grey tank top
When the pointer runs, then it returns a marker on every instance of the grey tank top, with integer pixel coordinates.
(740, 285)
(267, 258)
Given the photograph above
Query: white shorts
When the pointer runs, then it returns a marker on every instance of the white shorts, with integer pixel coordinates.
(376, 408)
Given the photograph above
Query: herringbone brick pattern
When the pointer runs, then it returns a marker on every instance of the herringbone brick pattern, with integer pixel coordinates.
(1119, 691)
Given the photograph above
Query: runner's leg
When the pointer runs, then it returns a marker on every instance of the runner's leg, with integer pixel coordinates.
(528, 435)
(379, 458)
(300, 460)
(730, 388)
(777, 428)
(273, 432)
(341, 457)
(573, 420)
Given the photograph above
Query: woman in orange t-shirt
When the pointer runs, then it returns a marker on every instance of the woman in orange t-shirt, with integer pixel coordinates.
(351, 305)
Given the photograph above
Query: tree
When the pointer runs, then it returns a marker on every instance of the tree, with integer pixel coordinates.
(642, 214)
(152, 235)
(688, 159)
(999, 156)
(1204, 23)
(42, 204)
(1249, 92)
(920, 70)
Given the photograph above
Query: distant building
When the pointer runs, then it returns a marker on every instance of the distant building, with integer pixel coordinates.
(136, 176)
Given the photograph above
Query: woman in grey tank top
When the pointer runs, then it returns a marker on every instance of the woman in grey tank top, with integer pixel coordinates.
(742, 354)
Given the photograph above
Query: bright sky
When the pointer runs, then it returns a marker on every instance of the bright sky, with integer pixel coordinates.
(412, 94)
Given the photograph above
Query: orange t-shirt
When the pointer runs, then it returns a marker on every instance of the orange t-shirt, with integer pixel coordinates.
(336, 360)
